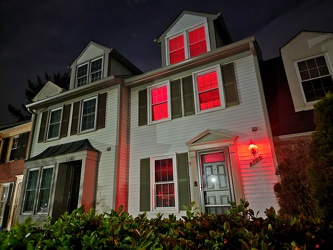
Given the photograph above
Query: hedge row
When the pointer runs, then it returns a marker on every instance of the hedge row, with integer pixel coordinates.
(239, 229)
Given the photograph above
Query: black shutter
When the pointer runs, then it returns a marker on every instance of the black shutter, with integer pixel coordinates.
(143, 119)
(230, 85)
(145, 184)
(176, 105)
(75, 118)
(183, 181)
(65, 121)
(22, 145)
(188, 96)
(101, 109)
(4, 149)
(42, 128)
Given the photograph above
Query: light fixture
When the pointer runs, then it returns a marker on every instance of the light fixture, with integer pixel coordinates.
(253, 148)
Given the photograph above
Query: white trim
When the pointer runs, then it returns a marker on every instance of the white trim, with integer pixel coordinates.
(81, 114)
(87, 74)
(292, 136)
(149, 100)
(184, 33)
(310, 105)
(174, 209)
(48, 124)
(101, 70)
(195, 74)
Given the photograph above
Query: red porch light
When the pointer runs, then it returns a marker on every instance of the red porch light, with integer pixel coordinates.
(253, 148)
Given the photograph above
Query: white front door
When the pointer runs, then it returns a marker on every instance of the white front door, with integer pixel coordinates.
(215, 182)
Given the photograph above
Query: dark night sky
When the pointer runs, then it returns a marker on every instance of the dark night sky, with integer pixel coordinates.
(38, 36)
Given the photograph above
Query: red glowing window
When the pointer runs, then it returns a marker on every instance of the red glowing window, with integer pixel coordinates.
(176, 49)
(214, 157)
(208, 90)
(164, 183)
(197, 42)
(159, 103)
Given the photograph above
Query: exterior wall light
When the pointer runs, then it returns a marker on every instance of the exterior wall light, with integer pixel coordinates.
(253, 148)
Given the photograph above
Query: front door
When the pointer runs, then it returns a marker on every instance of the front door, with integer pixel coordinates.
(215, 182)
(67, 188)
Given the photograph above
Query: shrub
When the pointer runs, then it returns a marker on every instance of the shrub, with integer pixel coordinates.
(239, 229)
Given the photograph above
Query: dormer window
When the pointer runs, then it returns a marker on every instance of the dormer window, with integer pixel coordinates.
(94, 67)
(188, 44)
(315, 78)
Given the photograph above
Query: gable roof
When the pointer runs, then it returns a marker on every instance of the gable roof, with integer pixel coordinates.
(307, 33)
(113, 52)
(186, 12)
(211, 135)
(49, 89)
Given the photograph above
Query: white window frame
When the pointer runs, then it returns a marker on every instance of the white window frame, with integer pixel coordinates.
(13, 146)
(149, 97)
(186, 40)
(3, 201)
(86, 75)
(95, 114)
(37, 192)
(89, 73)
(49, 124)
(101, 70)
(329, 67)
(175, 182)
(218, 71)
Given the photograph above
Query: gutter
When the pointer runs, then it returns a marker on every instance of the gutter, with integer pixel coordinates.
(222, 52)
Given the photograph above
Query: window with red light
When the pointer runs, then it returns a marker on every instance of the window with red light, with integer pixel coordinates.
(197, 41)
(176, 49)
(164, 183)
(208, 91)
(159, 103)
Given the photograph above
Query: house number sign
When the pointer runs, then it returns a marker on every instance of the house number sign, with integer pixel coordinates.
(71, 158)
(255, 161)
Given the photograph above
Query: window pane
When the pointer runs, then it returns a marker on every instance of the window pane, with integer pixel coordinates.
(165, 195)
(44, 190)
(30, 191)
(88, 114)
(316, 78)
(81, 76)
(96, 70)
(207, 81)
(54, 126)
(176, 49)
(214, 157)
(197, 41)
(163, 170)
(159, 103)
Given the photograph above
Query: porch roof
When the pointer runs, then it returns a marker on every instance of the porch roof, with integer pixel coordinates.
(66, 148)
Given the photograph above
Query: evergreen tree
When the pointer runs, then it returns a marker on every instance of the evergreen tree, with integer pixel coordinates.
(292, 191)
(321, 152)
(62, 80)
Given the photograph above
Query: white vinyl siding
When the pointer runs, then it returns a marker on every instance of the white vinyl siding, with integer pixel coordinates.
(168, 137)
(100, 139)
(185, 22)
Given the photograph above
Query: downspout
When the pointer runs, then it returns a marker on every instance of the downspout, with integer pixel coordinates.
(33, 121)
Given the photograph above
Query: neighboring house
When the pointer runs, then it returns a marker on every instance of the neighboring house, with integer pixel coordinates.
(156, 141)
(192, 120)
(78, 146)
(294, 82)
(14, 141)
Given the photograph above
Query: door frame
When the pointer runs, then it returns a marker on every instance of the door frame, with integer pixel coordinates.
(228, 169)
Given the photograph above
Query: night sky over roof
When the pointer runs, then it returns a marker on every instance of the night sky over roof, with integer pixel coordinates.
(38, 36)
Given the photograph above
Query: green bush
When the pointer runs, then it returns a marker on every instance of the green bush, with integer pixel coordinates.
(239, 229)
